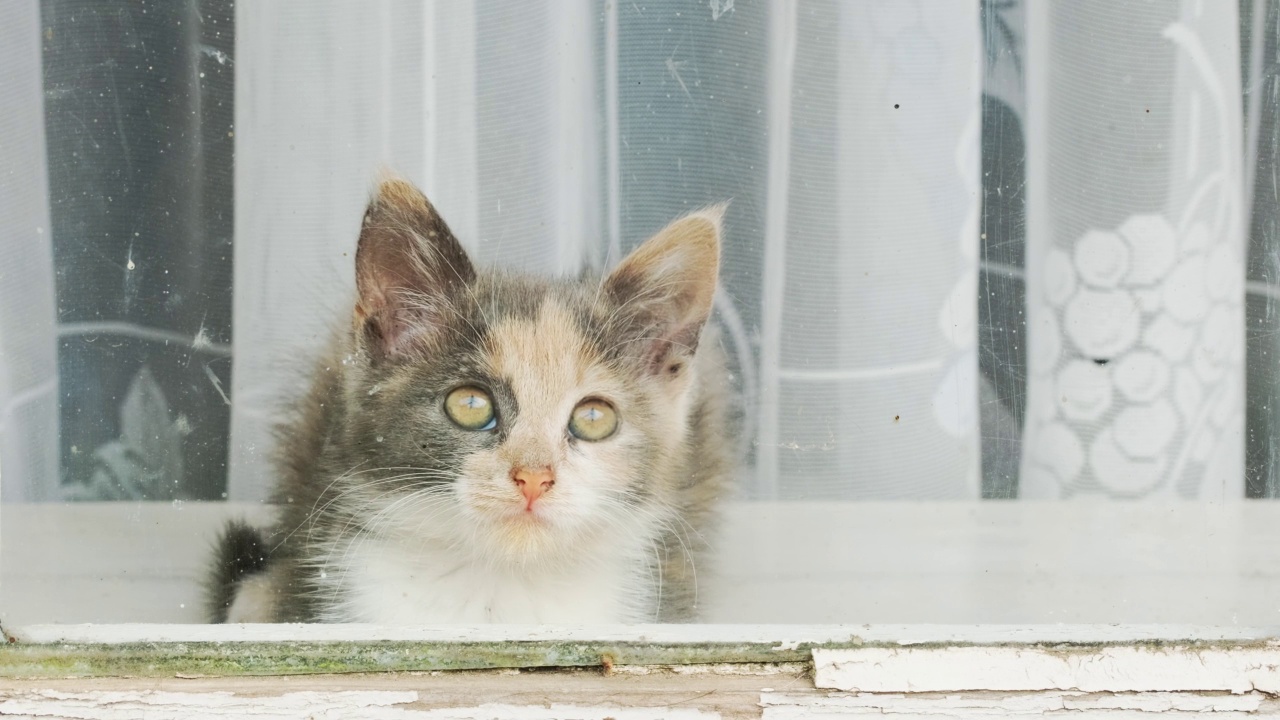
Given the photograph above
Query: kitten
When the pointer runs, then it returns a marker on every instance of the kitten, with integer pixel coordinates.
(484, 446)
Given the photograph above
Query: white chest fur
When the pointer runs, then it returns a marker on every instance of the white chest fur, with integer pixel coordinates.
(386, 582)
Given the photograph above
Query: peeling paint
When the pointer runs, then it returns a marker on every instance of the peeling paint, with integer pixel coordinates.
(779, 691)
(1132, 668)
(144, 705)
(985, 705)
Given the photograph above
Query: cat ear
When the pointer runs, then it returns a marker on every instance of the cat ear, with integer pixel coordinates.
(409, 270)
(665, 287)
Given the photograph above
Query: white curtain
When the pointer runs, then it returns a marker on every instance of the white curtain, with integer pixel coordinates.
(896, 329)
(1135, 252)
(28, 343)
(852, 266)
(492, 109)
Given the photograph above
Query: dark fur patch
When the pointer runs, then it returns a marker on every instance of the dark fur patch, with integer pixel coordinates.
(240, 552)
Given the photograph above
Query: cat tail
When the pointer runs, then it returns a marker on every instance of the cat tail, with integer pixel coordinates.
(240, 551)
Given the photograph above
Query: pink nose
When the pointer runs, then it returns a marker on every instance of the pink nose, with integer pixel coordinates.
(533, 483)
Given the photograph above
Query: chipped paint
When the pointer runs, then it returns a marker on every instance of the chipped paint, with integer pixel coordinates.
(483, 694)
(985, 705)
(1134, 668)
(565, 695)
(143, 705)
(1229, 673)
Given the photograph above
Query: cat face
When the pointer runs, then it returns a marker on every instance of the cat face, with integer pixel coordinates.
(519, 415)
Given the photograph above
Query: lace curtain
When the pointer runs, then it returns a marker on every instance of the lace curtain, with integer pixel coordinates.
(550, 134)
(1135, 253)
(975, 249)
(28, 367)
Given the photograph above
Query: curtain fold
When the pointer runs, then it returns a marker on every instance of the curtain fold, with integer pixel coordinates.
(492, 108)
(868, 365)
(28, 341)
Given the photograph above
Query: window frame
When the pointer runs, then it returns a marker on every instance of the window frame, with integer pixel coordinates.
(769, 670)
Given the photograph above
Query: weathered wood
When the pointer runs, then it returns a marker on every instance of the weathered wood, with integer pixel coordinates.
(775, 692)
(628, 693)
(880, 655)
(165, 650)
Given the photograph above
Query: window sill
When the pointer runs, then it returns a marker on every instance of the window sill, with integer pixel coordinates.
(957, 562)
(638, 671)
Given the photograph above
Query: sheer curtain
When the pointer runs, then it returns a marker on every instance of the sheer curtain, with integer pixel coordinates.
(987, 248)
(493, 110)
(554, 133)
(861, 287)
(28, 344)
(1135, 252)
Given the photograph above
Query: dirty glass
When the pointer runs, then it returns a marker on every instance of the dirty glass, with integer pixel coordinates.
(998, 285)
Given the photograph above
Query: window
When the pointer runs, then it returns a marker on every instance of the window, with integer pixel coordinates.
(997, 287)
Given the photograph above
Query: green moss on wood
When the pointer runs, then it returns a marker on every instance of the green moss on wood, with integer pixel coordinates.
(166, 659)
(288, 658)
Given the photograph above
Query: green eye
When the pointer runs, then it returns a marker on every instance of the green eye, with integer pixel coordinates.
(593, 420)
(470, 408)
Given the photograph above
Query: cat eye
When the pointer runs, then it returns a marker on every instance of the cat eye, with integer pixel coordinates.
(470, 408)
(593, 420)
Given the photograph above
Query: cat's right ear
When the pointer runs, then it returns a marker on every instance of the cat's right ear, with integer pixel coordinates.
(410, 271)
(665, 288)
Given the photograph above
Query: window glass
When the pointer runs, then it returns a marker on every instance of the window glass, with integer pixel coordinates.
(996, 292)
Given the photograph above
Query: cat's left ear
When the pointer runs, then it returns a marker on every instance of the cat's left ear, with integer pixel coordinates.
(664, 289)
